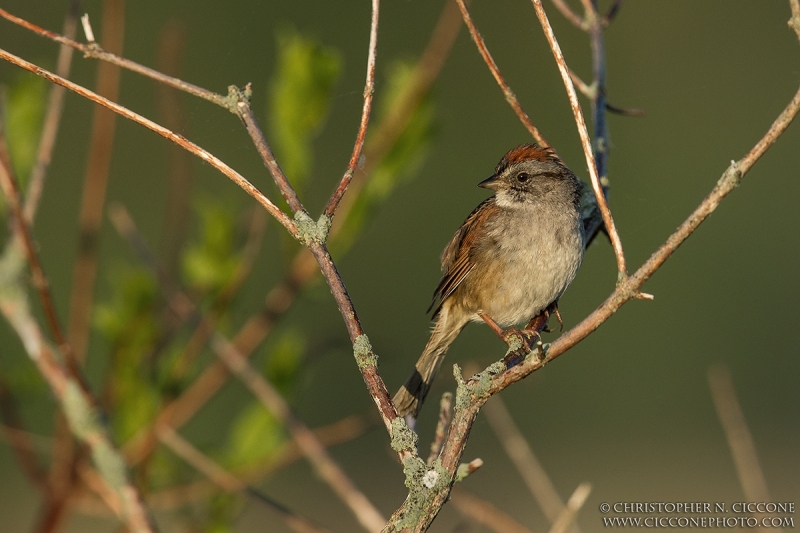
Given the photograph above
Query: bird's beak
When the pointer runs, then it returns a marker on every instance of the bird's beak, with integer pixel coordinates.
(492, 182)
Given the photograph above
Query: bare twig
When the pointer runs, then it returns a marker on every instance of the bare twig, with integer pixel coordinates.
(486, 514)
(794, 22)
(613, 11)
(228, 482)
(368, 516)
(445, 414)
(93, 51)
(511, 98)
(570, 15)
(95, 183)
(369, 90)
(171, 111)
(740, 440)
(574, 504)
(622, 270)
(245, 112)
(521, 454)
(181, 141)
(52, 120)
(10, 188)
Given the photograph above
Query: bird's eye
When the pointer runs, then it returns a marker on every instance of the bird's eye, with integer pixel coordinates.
(523, 177)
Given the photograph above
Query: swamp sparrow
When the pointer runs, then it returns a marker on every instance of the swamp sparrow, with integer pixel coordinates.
(510, 261)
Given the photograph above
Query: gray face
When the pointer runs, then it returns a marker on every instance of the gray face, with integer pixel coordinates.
(532, 180)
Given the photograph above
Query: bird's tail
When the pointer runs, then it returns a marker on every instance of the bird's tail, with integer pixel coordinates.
(409, 398)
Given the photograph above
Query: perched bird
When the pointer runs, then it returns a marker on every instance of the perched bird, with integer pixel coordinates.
(509, 262)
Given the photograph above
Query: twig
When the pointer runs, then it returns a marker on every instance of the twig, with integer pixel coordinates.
(228, 482)
(368, 516)
(740, 440)
(570, 15)
(245, 112)
(574, 504)
(369, 90)
(181, 141)
(172, 113)
(589, 91)
(445, 414)
(794, 22)
(624, 111)
(95, 183)
(511, 98)
(10, 188)
(622, 270)
(365, 356)
(613, 11)
(95, 52)
(521, 454)
(52, 120)
(486, 514)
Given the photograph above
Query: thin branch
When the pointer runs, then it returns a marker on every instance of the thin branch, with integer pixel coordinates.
(511, 98)
(10, 188)
(612, 13)
(52, 119)
(230, 483)
(245, 112)
(794, 22)
(181, 141)
(172, 113)
(445, 414)
(740, 440)
(95, 52)
(608, 220)
(368, 516)
(365, 356)
(369, 90)
(625, 111)
(101, 146)
(570, 15)
(526, 463)
(574, 504)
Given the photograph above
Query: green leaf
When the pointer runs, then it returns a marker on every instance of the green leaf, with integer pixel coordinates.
(284, 360)
(26, 102)
(300, 99)
(401, 160)
(208, 265)
(129, 318)
(254, 437)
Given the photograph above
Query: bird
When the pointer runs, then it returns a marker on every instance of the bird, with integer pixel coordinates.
(509, 262)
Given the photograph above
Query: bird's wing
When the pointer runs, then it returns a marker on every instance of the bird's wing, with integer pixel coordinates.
(458, 255)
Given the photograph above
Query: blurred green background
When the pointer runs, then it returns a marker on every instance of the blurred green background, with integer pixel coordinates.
(628, 409)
